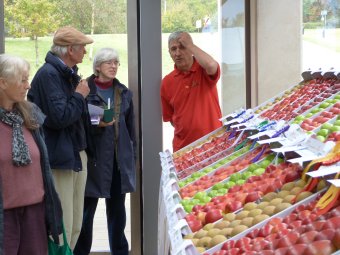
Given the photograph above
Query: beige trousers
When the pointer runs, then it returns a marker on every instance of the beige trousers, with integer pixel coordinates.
(70, 186)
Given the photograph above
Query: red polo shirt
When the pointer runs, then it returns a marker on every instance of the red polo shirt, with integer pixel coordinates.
(190, 102)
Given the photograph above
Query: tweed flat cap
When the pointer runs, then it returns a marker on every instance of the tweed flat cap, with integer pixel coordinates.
(70, 36)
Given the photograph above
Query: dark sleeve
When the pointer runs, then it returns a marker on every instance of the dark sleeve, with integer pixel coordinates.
(62, 110)
(130, 123)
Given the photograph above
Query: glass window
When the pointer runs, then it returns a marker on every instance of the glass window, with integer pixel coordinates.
(321, 34)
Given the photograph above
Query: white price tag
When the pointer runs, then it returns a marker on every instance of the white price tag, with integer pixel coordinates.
(324, 170)
(271, 140)
(336, 182)
(232, 121)
(267, 132)
(318, 147)
(288, 148)
(176, 238)
(172, 219)
(295, 134)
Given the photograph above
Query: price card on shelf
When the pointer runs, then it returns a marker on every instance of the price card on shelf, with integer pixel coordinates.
(288, 148)
(325, 170)
(318, 147)
(236, 120)
(305, 155)
(267, 132)
(172, 219)
(271, 140)
(295, 135)
(176, 238)
(336, 182)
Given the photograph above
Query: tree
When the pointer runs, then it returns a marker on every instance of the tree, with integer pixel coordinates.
(32, 18)
(101, 16)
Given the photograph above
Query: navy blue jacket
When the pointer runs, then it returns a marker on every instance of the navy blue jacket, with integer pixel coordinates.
(101, 147)
(53, 90)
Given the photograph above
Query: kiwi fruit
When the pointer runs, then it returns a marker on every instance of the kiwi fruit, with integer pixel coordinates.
(263, 205)
(234, 223)
(249, 206)
(260, 218)
(281, 207)
(303, 195)
(295, 190)
(288, 186)
(247, 221)
(213, 232)
(276, 201)
(254, 212)
(200, 233)
(269, 196)
(238, 229)
(241, 215)
(269, 210)
(217, 240)
(229, 216)
(222, 224)
(204, 241)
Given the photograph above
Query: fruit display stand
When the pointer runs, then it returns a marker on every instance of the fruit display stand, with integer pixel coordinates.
(212, 179)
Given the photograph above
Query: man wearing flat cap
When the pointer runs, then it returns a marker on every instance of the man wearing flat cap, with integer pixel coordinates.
(60, 93)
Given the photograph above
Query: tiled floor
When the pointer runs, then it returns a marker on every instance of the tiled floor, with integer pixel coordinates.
(100, 239)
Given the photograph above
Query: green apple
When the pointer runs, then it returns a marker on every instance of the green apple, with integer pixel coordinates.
(335, 128)
(199, 195)
(315, 110)
(213, 193)
(252, 167)
(259, 171)
(240, 182)
(324, 105)
(222, 191)
(218, 186)
(336, 123)
(321, 138)
(235, 177)
(309, 115)
(229, 184)
(265, 163)
(323, 132)
(246, 175)
(300, 117)
(326, 126)
(205, 199)
(337, 97)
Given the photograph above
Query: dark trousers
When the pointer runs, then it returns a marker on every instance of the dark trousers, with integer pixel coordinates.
(25, 230)
(116, 221)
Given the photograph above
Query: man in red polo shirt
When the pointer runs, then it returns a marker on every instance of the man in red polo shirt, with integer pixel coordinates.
(189, 94)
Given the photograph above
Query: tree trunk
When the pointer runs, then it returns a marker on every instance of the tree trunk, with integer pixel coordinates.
(36, 51)
(92, 30)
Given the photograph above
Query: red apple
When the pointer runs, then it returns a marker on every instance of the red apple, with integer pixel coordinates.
(213, 215)
(321, 247)
(307, 237)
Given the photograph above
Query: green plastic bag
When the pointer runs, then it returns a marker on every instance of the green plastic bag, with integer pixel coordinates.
(56, 249)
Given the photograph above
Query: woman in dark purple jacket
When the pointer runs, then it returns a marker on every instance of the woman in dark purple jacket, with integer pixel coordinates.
(111, 154)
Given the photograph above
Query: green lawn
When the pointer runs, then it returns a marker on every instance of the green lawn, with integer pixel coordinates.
(330, 41)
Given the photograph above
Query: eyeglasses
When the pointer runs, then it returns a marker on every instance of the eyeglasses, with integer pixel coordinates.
(111, 62)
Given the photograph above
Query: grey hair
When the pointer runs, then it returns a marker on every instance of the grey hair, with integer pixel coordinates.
(12, 67)
(174, 36)
(104, 54)
(60, 51)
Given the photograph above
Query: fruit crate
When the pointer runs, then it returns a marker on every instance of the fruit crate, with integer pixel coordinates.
(214, 157)
(260, 229)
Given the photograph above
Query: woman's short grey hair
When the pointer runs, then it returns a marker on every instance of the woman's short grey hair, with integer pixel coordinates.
(13, 68)
(104, 54)
(174, 36)
(60, 51)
